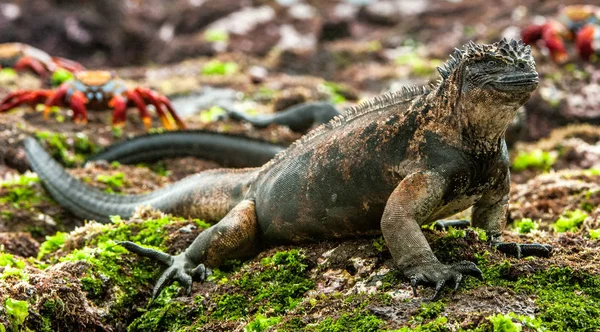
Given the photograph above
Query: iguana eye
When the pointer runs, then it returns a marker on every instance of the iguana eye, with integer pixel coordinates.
(491, 63)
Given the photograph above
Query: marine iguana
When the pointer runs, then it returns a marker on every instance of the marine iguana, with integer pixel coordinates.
(386, 166)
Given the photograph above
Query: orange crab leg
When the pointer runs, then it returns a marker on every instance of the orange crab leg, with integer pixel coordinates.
(139, 103)
(158, 101)
(119, 106)
(78, 102)
(171, 110)
(159, 110)
(33, 64)
(55, 99)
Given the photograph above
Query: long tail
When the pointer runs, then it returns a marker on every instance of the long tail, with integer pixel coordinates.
(208, 195)
(227, 150)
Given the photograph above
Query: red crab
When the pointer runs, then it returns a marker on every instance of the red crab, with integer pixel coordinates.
(24, 57)
(577, 22)
(97, 90)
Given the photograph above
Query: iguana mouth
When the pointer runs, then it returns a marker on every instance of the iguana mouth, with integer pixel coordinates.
(528, 81)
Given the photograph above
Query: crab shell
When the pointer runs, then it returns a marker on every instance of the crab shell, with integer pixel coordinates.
(98, 87)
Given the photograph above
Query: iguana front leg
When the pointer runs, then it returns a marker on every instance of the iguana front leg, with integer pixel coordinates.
(409, 206)
(489, 213)
(234, 237)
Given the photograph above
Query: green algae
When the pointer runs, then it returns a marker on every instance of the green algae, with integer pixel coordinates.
(429, 311)
(20, 192)
(276, 289)
(163, 314)
(17, 312)
(570, 221)
(536, 159)
(261, 323)
(525, 225)
(566, 299)
(58, 146)
(114, 182)
(52, 244)
(354, 321)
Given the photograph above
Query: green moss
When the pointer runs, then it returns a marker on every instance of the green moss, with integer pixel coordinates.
(504, 323)
(355, 321)
(52, 244)
(17, 312)
(93, 286)
(231, 307)
(21, 192)
(276, 289)
(536, 159)
(164, 313)
(566, 300)
(525, 225)
(429, 311)
(216, 67)
(114, 182)
(111, 267)
(8, 260)
(594, 234)
(437, 325)
(455, 233)
(58, 146)
(14, 273)
(570, 221)
(379, 244)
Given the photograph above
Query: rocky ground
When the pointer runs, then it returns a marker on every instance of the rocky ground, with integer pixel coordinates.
(60, 273)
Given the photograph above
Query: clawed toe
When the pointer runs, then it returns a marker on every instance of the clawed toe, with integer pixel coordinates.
(440, 276)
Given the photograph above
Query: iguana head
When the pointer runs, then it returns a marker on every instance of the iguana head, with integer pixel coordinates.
(488, 83)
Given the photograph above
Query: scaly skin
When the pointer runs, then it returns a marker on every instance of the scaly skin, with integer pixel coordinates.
(388, 166)
(226, 149)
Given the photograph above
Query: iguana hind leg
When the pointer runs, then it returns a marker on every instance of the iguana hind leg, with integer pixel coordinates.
(234, 237)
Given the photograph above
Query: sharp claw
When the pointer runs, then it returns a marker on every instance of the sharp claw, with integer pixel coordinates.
(457, 281)
(160, 284)
(438, 289)
(413, 283)
(199, 272)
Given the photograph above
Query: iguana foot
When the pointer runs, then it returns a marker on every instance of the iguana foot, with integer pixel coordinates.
(180, 267)
(439, 275)
(520, 250)
(456, 223)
